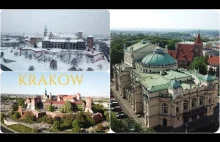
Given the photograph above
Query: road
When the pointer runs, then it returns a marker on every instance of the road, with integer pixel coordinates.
(4, 68)
(126, 107)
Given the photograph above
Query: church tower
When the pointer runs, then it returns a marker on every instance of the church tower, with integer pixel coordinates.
(45, 93)
(198, 46)
(45, 31)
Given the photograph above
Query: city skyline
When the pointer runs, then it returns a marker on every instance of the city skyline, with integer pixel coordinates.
(90, 85)
(95, 22)
(164, 19)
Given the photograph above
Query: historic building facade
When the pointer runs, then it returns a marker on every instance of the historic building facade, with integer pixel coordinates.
(160, 92)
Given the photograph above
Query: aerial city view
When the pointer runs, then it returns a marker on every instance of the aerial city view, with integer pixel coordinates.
(55, 40)
(79, 107)
(164, 71)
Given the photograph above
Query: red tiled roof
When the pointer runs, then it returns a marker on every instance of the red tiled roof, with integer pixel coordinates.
(214, 60)
(185, 52)
(198, 40)
(172, 53)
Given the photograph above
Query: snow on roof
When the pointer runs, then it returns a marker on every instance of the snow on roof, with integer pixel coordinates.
(68, 35)
(62, 40)
(39, 44)
(90, 36)
(10, 41)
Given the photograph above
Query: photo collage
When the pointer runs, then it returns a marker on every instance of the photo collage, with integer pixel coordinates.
(109, 71)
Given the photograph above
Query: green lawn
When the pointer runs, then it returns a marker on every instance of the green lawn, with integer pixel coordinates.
(20, 128)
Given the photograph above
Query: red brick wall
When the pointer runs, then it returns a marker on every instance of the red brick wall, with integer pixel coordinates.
(56, 114)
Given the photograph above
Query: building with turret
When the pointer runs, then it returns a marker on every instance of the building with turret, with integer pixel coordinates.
(45, 31)
(184, 52)
(160, 92)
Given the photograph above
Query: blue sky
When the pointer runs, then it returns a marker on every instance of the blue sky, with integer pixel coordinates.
(164, 19)
(93, 84)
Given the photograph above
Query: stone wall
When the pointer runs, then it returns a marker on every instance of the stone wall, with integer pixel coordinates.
(57, 114)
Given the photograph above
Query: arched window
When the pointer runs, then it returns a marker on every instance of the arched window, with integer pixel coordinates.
(201, 101)
(185, 105)
(193, 103)
(209, 100)
(177, 110)
(164, 109)
(164, 122)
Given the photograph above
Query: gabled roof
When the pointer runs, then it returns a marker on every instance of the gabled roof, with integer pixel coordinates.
(185, 52)
(172, 53)
(214, 60)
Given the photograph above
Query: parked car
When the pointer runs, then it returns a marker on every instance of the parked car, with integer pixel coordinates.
(113, 104)
(121, 115)
(116, 109)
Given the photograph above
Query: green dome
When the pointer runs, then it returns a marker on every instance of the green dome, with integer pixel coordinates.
(158, 58)
(175, 84)
(208, 78)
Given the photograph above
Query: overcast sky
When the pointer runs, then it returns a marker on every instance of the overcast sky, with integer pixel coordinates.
(164, 19)
(33, 21)
(93, 83)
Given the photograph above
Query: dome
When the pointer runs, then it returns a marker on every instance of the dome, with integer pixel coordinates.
(208, 78)
(175, 84)
(158, 58)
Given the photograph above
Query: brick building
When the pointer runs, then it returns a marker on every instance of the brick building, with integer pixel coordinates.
(184, 53)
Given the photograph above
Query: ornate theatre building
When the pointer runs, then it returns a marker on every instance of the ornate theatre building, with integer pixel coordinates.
(159, 91)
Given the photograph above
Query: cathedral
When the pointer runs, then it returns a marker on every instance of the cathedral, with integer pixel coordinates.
(159, 91)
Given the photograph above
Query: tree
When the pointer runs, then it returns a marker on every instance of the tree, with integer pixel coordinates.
(21, 102)
(15, 107)
(117, 125)
(124, 125)
(30, 56)
(17, 115)
(99, 127)
(74, 62)
(51, 108)
(53, 64)
(211, 71)
(26, 53)
(29, 117)
(148, 130)
(56, 125)
(16, 54)
(76, 126)
(90, 69)
(98, 108)
(2, 117)
(89, 121)
(199, 63)
(206, 58)
(100, 66)
(66, 122)
(72, 69)
(2, 54)
(68, 107)
(81, 120)
(107, 117)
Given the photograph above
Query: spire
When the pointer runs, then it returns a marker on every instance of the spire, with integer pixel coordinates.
(198, 39)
